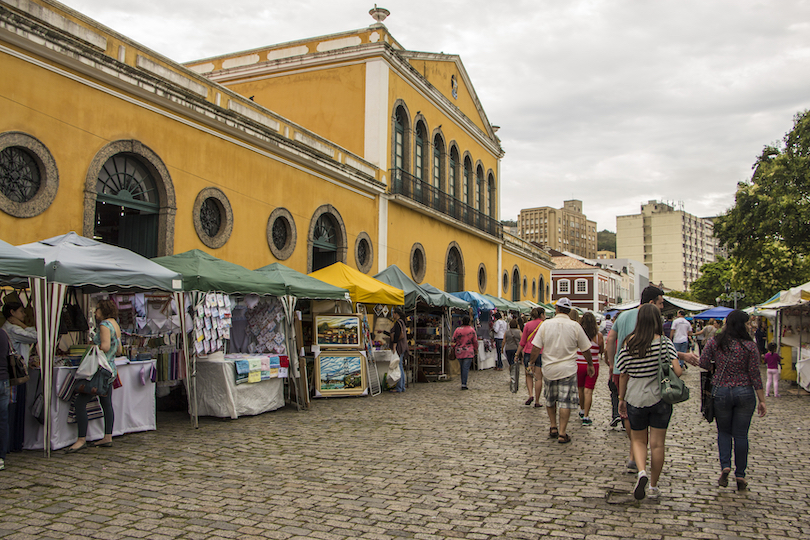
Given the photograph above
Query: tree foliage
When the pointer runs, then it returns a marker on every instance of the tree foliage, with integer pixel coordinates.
(606, 241)
(767, 231)
(711, 283)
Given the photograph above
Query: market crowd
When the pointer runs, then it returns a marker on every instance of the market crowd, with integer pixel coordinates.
(643, 355)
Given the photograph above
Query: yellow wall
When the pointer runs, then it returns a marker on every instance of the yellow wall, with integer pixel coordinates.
(330, 102)
(75, 121)
(532, 271)
(439, 74)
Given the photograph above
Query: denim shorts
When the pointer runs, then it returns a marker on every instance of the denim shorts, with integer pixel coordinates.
(656, 416)
(537, 363)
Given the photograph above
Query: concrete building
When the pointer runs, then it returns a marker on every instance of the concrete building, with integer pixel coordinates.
(604, 254)
(563, 229)
(672, 243)
(635, 277)
(346, 147)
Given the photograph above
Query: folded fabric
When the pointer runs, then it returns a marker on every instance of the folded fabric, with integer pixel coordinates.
(284, 361)
(275, 362)
(94, 411)
(265, 363)
(242, 367)
(255, 364)
(66, 391)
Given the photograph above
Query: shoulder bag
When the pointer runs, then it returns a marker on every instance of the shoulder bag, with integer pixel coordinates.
(38, 405)
(17, 372)
(707, 394)
(673, 389)
(72, 318)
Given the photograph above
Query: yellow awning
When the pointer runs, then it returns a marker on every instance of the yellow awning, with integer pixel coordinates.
(362, 288)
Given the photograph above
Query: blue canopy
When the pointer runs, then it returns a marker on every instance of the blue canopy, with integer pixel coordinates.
(718, 312)
(477, 300)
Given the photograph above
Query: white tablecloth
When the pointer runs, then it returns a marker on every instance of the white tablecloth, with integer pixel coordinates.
(133, 405)
(219, 395)
(486, 359)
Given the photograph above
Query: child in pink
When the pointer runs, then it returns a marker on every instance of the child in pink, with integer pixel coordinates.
(772, 360)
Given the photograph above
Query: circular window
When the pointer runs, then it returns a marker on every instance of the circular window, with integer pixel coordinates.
(213, 217)
(505, 281)
(525, 286)
(363, 254)
(281, 233)
(28, 176)
(482, 278)
(418, 266)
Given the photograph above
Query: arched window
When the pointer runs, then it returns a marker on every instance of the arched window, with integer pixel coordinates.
(491, 195)
(438, 172)
(324, 242)
(452, 168)
(541, 291)
(400, 126)
(127, 205)
(454, 271)
(515, 285)
(420, 158)
(480, 192)
(465, 186)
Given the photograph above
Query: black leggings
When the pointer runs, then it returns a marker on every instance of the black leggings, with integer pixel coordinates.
(81, 412)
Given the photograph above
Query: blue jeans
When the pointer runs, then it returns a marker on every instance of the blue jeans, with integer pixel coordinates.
(401, 382)
(733, 409)
(682, 347)
(5, 395)
(498, 346)
(465, 369)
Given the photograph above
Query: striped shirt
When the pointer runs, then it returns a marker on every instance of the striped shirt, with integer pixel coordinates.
(646, 366)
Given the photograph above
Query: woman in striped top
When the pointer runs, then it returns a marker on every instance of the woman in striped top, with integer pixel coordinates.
(640, 395)
(586, 384)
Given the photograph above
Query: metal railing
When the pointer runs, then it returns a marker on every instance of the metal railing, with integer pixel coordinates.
(404, 183)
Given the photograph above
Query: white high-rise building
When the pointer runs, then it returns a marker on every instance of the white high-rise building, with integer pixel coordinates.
(672, 243)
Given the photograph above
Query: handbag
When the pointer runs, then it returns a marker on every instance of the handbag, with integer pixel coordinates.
(17, 372)
(72, 318)
(38, 405)
(673, 389)
(707, 394)
(98, 385)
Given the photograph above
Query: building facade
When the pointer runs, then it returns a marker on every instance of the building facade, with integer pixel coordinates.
(672, 243)
(339, 148)
(586, 284)
(563, 229)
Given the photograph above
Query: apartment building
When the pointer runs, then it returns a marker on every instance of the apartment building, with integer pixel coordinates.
(563, 229)
(671, 242)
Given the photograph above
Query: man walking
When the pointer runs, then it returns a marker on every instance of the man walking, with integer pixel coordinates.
(559, 339)
(679, 334)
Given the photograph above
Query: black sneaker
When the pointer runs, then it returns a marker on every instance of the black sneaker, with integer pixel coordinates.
(616, 421)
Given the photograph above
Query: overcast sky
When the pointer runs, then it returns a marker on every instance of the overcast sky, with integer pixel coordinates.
(613, 102)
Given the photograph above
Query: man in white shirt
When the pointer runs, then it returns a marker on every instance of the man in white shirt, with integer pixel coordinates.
(680, 332)
(560, 338)
(498, 332)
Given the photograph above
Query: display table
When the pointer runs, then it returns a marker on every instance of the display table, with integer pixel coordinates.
(382, 359)
(486, 360)
(219, 395)
(133, 405)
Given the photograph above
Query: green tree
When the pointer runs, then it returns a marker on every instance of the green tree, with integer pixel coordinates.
(767, 231)
(711, 283)
(606, 241)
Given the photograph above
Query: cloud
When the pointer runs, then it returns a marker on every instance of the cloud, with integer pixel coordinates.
(609, 101)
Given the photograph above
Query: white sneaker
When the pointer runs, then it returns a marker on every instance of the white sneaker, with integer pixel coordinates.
(639, 491)
(653, 492)
(2, 465)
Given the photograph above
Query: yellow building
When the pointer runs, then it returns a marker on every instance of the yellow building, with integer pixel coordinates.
(672, 243)
(563, 229)
(340, 148)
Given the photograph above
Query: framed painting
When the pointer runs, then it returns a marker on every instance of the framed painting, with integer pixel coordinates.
(338, 331)
(340, 373)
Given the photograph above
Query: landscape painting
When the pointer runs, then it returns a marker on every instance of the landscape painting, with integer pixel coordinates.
(338, 331)
(341, 373)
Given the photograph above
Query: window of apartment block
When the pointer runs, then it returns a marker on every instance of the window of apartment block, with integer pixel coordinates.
(581, 286)
(564, 286)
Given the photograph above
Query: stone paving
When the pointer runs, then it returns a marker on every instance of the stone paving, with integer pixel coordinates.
(431, 463)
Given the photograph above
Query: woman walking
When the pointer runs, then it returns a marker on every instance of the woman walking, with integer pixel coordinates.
(640, 395)
(534, 378)
(585, 383)
(466, 344)
(511, 344)
(108, 338)
(737, 393)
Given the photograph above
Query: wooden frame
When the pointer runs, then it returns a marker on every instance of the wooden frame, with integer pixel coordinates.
(338, 331)
(340, 373)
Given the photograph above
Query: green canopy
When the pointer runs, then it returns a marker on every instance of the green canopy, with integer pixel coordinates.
(301, 285)
(204, 272)
(504, 304)
(16, 263)
(443, 299)
(413, 292)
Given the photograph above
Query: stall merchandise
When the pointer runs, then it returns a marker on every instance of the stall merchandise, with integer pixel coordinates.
(72, 260)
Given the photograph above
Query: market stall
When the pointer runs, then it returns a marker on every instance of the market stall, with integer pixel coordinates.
(237, 335)
(90, 267)
(428, 321)
(792, 308)
(364, 291)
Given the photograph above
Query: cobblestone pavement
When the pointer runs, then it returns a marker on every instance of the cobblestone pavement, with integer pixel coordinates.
(433, 462)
